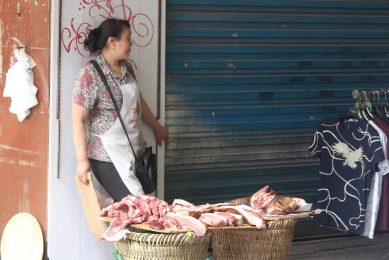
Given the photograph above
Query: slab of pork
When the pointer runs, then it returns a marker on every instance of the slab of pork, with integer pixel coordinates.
(133, 210)
(249, 216)
(262, 197)
(233, 219)
(269, 202)
(214, 220)
(189, 222)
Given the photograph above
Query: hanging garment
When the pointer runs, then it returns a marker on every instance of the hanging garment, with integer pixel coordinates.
(373, 199)
(115, 141)
(350, 152)
(383, 211)
(19, 85)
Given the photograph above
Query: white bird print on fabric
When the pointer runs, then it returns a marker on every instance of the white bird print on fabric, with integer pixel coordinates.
(351, 157)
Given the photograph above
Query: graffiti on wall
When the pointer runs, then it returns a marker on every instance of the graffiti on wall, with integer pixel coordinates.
(74, 34)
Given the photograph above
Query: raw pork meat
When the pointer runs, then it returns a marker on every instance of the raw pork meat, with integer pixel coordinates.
(262, 197)
(280, 205)
(133, 210)
(116, 230)
(299, 202)
(233, 219)
(269, 202)
(214, 220)
(186, 208)
(189, 222)
(249, 216)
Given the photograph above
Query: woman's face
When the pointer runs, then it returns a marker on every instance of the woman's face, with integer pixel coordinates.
(123, 44)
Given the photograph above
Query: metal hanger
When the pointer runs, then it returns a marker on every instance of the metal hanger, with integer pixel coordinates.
(386, 104)
(366, 108)
(359, 105)
(369, 107)
(378, 108)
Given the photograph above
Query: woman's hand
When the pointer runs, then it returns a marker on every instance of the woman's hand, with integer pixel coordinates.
(160, 134)
(83, 167)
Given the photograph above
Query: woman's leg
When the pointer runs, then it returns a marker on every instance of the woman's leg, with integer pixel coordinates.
(109, 178)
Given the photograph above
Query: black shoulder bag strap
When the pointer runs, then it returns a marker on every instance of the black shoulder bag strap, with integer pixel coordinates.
(103, 78)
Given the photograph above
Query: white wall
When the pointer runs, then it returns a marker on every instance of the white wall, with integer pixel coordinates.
(68, 234)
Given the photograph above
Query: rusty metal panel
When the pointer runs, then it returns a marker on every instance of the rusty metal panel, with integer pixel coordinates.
(24, 146)
(247, 83)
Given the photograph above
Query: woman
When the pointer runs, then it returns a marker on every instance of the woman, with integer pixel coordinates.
(100, 141)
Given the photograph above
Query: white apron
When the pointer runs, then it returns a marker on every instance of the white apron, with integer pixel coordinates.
(115, 141)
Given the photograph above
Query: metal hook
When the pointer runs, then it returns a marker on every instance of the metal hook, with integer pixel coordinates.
(383, 90)
(378, 95)
(370, 94)
(355, 94)
(366, 110)
(364, 94)
(385, 103)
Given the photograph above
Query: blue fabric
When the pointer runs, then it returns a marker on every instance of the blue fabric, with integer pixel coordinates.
(349, 153)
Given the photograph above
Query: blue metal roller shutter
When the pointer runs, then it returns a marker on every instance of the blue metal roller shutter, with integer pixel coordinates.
(247, 83)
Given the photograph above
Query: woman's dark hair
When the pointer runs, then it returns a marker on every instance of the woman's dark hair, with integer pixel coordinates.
(97, 38)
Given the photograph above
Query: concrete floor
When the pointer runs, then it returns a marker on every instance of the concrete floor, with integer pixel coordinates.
(352, 248)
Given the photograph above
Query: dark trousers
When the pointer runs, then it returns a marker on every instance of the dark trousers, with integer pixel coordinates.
(109, 178)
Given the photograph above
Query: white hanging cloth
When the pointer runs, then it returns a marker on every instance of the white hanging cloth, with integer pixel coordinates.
(19, 85)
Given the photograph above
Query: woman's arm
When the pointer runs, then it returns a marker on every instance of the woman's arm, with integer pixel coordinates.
(160, 132)
(79, 120)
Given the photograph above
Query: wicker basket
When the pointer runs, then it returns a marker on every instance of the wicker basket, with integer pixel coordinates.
(141, 245)
(251, 243)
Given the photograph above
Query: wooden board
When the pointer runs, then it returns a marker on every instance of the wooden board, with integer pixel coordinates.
(91, 206)
(231, 227)
(146, 226)
(105, 219)
(22, 238)
(305, 214)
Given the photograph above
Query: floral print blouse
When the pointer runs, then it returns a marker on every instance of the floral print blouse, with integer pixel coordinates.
(89, 91)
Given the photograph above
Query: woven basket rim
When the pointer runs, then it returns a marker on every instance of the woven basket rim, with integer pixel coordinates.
(272, 243)
(272, 225)
(163, 238)
(163, 246)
